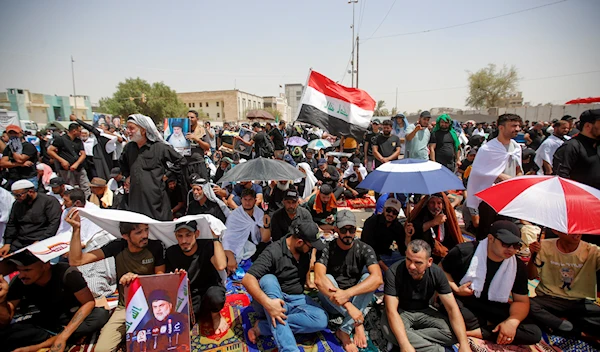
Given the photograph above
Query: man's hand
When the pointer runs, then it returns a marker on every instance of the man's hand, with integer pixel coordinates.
(356, 315)
(74, 166)
(73, 218)
(58, 345)
(340, 297)
(465, 290)
(506, 331)
(458, 163)
(26, 349)
(189, 136)
(273, 184)
(440, 219)
(65, 165)
(464, 348)
(383, 266)
(330, 219)
(231, 262)
(127, 279)
(535, 247)
(73, 118)
(219, 191)
(319, 183)
(409, 229)
(276, 311)
(27, 163)
(418, 127)
(354, 193)
(3, 289)
(326, 174)
(4, 250)
(181, 272)
(503, 177)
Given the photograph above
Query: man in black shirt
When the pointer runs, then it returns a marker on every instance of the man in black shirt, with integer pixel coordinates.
(573, 130)
(323, 208)
(19, 158)
(328, 175)
(444, 144)
(387, 145)
(535, 136)
(66, 305)
(380, 231)
(261, 142)
(68, 151)
(276, 282)
(277, 138)
(33, 217)
(282, 218)
(408, 320)
(343, 288)
(370, 140)
(202, 259)
(275, 193)
(201, 204)
(472, 268)
(175, 197)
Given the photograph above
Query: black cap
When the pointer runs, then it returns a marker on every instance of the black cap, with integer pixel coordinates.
(326, 189)
(190, 225)
(159, 295)
(507, 232)
(290, 194)
(425, 114)
(568, 118)
(115, 171)
(256, 124)
(590, 116)
(57, 182)
(308, 231)
(356, 161)
(24, 258)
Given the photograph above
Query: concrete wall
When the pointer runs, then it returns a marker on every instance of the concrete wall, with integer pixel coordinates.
(548, 113)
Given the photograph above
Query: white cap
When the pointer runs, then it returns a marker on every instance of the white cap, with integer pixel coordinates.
(21, 184)
(393, 203)
(39, 167)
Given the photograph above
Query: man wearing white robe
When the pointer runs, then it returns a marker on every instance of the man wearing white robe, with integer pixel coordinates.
(545, 153)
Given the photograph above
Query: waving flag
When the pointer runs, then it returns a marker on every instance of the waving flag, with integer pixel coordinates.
(339, 110)
(136, 307)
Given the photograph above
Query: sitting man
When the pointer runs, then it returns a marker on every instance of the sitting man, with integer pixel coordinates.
(408, 320)
(202, 259)
(235, 198)
(327, 174)
(352, 177)
(134, 254)
(206, 202)
(276, 283)
(248, 231)
(175, 197)
(101, 195)
(63, 299)
(58, 186)
(343, 288)
(275, 193)
(482, 275)
(567, 268)
(322, 207)
(435, 222)
(282, 218)
(380, 231)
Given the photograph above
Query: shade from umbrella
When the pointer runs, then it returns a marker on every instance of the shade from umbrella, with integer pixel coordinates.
(411, 176)
(259, 115)
(317, 144)
(589, 100)
(297, 141)
(262, 169)
(555, 202)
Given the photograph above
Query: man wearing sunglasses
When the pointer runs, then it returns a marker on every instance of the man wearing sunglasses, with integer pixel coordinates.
(483, 275)
(33, 217)
(343, 288)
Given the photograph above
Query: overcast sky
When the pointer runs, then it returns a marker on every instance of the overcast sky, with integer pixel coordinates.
(258, 45)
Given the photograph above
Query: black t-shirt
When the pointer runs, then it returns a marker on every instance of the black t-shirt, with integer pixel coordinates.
(346, 266)
(371, 137)
(465, 164)
(280, 221)
(260, 143)
(387, 145)
(457, 262)
(175, 196)
(444, 147)
(536, 139)
(69, 149)
(414, 294)
(277, 139)
(22, 172)
(378, 235)
(201, 271)
(209, 207)
(57, 297)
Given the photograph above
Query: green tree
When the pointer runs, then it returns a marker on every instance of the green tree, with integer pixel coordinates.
(276, 113)
(489, 86)
(394, 111)
(137, 96)
(379, 108)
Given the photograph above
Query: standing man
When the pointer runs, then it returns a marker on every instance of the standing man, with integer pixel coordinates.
(369, 142)
(69, 152)
(444, 146)
(276, 283)
(544, 157)
(579, 157)
(277, 139)
(196, 134)
(283, 217)
(210, 136)
(19, 158)
(262, 143)
(387, 145)
(535, 136)
(417, 138)
(572, 128)
(147, 158)
(343, 288)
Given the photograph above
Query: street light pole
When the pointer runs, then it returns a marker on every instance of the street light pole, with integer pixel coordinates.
(74, 92)
(353, 2)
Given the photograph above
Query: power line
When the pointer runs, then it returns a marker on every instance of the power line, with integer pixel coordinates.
(384, 18)
(465, 23)
(345, 70)
(362, 14)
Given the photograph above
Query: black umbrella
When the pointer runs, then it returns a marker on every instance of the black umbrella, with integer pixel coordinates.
(262, 169)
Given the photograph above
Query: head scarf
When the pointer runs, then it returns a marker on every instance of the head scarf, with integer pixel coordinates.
(288, 158)
(309, 181)
(447, 118)
(395, 126)
(146, 123)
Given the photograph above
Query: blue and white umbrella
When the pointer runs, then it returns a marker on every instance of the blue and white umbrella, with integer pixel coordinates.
(318, 144)
(411, 176)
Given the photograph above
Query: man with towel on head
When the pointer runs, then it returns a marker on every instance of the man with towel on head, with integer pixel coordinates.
(483, 275)
(147, 159)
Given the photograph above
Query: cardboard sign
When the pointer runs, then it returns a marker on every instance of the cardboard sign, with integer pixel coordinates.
(158, 313)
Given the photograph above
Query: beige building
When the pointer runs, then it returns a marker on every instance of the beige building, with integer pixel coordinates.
(222, 105)
(514, 100)
(293, 92)
(279, 103)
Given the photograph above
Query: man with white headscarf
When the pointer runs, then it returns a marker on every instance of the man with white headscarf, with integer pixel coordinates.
(146, 159)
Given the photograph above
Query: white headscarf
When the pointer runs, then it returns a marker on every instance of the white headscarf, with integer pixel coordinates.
(309, 181)
(146, 123)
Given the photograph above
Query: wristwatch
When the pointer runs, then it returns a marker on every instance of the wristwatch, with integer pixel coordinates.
(218, 239)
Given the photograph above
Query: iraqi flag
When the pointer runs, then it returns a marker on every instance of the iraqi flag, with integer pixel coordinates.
(137, 312)
(337, 109)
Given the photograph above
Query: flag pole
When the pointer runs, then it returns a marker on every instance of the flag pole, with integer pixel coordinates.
(74, 92)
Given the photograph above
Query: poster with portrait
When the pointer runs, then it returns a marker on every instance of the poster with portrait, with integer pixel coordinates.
(239, 146)
(100, 119)
(175, 131)
(157, 313)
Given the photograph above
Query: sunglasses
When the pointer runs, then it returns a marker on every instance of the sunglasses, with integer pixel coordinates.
(516, 246)
(344, 230)
(392, 211)
(19, 195)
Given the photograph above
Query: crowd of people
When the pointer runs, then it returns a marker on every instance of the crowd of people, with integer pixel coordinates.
(438, 288)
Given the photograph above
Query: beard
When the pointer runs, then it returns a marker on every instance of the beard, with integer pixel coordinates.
(347, 240)
(198, 197)
(387, 134)
(283, 187)
(137, 136)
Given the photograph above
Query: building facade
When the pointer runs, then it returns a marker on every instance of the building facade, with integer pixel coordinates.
(293, 93)
(43, 108)
(280, 104)
(222, 105)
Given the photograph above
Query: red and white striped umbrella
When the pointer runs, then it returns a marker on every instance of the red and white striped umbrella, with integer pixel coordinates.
(555, 202)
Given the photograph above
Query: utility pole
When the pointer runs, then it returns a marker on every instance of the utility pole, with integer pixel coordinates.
(396, 99)
(74, 92)
(357, 52)
(353, 2)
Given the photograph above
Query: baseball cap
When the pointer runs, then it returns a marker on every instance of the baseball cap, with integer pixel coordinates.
(14, 128)
(393, 203)
(190, 225)
(322, 161)
(309, 232)
(473, 151)
(326, 189)
(256, 124)
(57, 182)
(356, 161)
(290, 194)
(398, 116)
(425, 114)
(506, 231)
(590, 116)
(344, 218)
(376, 121)
(159, 295)
(569, 117)
(115, 171)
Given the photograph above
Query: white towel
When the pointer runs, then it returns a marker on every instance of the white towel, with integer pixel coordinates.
(240, 226)
(502, 282)
(546, 152)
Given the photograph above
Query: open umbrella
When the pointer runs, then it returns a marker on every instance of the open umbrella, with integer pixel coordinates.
(259, 115)
(411, 176)
(296, 141)
(555, 202)
(262, 169)
(317, 144)
(589, 100)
